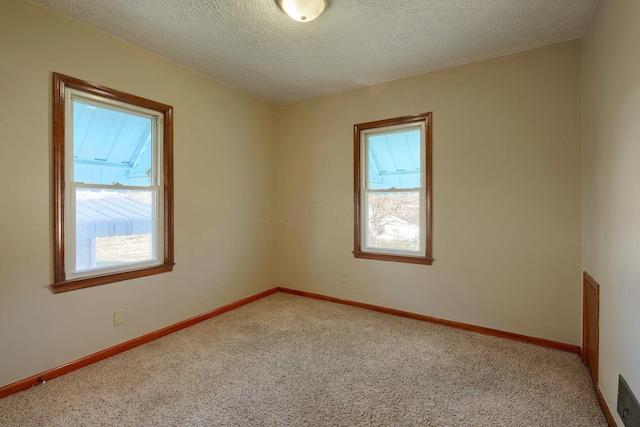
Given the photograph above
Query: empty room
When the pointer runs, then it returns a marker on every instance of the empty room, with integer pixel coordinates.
(320, 212)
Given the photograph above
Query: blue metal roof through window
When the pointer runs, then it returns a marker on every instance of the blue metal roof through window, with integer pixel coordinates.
(111, 146)
(112, 213)
(394, 159)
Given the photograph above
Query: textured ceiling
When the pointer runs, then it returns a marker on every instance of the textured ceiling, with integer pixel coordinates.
(255, 47)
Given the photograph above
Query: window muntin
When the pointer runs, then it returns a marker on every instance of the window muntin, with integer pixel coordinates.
(393, 189)
(113, 185)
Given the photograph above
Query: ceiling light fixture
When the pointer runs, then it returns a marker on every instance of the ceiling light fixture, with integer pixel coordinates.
(303, 10)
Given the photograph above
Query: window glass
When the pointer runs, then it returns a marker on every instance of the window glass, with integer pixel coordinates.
(394, 221)
(114, 228)
(111, 146)
(394, 159)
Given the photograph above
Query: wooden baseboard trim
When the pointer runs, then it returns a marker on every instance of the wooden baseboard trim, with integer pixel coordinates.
(103, 354)
(605, 408)
(459, 325)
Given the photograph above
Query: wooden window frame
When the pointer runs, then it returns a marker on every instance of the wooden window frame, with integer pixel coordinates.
(358, 187)
(61, 283)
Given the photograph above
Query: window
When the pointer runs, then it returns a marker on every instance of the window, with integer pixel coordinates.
(113, 185)
(392, 189)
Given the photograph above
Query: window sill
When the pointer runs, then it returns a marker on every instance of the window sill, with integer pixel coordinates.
(86, 282)
(394, 258)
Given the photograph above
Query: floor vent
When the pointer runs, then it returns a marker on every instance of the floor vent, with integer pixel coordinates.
(628, 406)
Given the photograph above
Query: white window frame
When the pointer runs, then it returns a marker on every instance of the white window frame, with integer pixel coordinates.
(364, 167)
(157, 183)
(362, 192)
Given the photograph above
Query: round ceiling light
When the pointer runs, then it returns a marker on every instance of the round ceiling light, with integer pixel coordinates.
(303, 10)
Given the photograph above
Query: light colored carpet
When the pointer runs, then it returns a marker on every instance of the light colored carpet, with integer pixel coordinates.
(293, 361)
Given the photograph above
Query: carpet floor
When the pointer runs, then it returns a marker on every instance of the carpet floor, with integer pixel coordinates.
(293, 361)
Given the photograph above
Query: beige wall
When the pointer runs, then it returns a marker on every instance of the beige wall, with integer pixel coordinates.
(611, 186)
(506, 194)
(224, 172)
(506, 180)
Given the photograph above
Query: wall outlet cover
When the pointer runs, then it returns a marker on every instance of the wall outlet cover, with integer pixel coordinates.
(118, 317)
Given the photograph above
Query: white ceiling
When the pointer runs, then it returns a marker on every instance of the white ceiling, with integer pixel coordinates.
(253, 46)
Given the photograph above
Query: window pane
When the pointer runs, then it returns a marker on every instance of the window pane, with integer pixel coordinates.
(394, 220)
(114, 227)
(394, 159)
(111, 146)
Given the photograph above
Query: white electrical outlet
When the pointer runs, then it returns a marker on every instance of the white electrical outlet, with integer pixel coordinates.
(343, 277)
(118, 317)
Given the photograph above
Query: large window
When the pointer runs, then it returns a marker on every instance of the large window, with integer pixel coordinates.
(113, 179)
(392, 188)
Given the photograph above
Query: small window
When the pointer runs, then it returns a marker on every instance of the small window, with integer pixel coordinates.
(113, 179)
(392, 197)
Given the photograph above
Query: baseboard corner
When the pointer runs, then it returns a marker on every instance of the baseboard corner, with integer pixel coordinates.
(605, 408)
